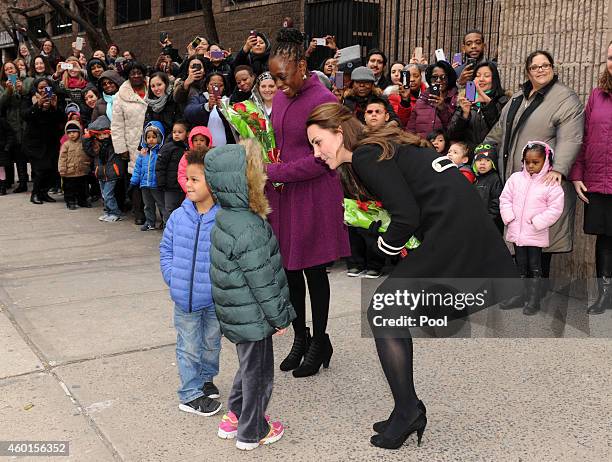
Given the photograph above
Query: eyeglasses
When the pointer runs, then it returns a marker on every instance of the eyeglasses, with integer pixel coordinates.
(542, 67)
(439, 78)
(374, 111)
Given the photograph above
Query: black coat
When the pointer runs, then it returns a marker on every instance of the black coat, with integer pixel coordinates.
(167, 116)
(458, 239)
(490, 187)
(43, 130)
(7, 141)
(476, 127)
(167, 165)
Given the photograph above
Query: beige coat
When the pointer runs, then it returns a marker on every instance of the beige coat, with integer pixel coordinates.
(558, 121)
(73, 161)
(129, 111)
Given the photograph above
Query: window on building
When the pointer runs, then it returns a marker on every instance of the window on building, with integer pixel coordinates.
(133, 10)
(60, 24)
(172, 7)
(89, 10)
(38, 24)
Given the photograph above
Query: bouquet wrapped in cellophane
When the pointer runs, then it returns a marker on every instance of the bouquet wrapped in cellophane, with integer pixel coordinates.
(251, 121)
(362, 214)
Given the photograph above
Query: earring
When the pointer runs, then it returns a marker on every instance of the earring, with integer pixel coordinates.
(304, 77)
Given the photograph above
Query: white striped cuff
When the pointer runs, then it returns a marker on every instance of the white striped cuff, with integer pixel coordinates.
(386, 248)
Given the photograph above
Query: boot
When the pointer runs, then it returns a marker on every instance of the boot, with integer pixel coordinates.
(381, 427)
(319, 353)
(518, 300)
(35, 199)
(23, 187)
(2, 190)
(604, 300)
(71, 205)
(301, 343)
(533, 295)
(44, 195)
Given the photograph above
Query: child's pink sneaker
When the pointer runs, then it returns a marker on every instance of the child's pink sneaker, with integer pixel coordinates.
(276, 433)
(228, 427)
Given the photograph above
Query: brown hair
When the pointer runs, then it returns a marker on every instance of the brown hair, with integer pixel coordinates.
(334, 116)
(196, 156)
(605, 79)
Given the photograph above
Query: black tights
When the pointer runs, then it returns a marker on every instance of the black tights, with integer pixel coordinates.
(528, 260)
(395, 356)
(318, 288)
(603, 255)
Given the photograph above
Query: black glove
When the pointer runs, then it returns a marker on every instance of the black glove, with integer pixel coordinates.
(373, 229)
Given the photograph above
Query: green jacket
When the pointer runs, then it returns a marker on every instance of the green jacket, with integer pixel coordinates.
(249, 285)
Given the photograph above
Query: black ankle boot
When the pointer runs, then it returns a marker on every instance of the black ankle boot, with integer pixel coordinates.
(533, 295)
(300, 346)
(2, 190)
(518, 300)
(380, 427)
(604, 299)
(319, 353)
(23, 187)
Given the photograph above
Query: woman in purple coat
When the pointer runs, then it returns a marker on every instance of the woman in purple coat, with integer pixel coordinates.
(592, 178)
(307, 213)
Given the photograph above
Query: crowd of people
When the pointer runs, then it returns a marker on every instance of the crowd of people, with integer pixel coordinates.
(139, 138)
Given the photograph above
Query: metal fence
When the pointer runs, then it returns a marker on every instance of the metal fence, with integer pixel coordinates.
(398, 26)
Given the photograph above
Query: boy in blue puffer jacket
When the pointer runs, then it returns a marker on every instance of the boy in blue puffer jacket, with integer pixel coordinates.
(185, 263)
(144, 174)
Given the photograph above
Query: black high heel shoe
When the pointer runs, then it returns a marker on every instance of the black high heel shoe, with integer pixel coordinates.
(380, 427)
(319, 354)
(300, 346)
(418, 426)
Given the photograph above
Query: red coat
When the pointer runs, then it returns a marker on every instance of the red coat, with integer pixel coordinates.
(593, 165)
(403, 112)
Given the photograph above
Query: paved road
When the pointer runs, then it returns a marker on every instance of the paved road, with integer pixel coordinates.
(87, 355)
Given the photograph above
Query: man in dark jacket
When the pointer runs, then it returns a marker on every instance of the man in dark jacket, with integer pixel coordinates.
(488, 183)
(376, 60)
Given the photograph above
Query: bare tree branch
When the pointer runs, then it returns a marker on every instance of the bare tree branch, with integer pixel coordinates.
(210, 28)
(25, 11)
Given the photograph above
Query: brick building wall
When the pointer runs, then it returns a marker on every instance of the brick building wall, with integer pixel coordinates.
(576, 33)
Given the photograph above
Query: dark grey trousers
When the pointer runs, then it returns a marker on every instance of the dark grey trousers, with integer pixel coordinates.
(252, 389)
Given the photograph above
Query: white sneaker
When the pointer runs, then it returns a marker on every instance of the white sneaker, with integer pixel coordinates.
(112, 218)
(103, 217)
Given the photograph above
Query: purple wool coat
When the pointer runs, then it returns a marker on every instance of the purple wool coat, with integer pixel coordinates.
(307, 214)
(593, 165)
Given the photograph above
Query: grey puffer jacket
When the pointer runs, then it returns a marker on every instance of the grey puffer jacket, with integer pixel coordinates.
(249, 285)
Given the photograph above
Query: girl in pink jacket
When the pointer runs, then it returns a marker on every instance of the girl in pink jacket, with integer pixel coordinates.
(529, 207)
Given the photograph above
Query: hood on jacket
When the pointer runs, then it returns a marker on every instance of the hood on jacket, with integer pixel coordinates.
(158, 128)
(73, 125)
(127, 93)
(236, 177)
(101, 123)
(200, 130)
(113, 76)
(548, 158)
(267, 42)
(90, 63)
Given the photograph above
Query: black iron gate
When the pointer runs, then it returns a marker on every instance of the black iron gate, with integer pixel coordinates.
(398, 26)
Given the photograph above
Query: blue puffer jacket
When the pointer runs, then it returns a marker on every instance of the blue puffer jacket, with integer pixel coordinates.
(184, 256)
(144, 169)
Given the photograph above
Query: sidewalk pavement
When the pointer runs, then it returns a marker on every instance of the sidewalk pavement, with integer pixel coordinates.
(87, 356)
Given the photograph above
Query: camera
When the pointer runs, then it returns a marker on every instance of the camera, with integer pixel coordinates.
(405, 79)
(49, 92)
(66, 66)
(216, 55)
(196, 67)
(434, 89)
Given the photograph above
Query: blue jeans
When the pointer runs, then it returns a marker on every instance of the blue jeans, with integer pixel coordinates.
(108, 195)
(198, 345)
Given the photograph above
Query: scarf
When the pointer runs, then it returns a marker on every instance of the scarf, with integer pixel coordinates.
(76, 82)
(110, 99)
(158, 104)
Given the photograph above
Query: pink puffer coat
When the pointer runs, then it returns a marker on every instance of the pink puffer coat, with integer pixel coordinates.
(528, 207)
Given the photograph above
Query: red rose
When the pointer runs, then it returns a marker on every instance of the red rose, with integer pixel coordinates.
(378, 204)
(363, 205)
(253, 129)
(262, 123)
(239, 107)
(254, 116)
